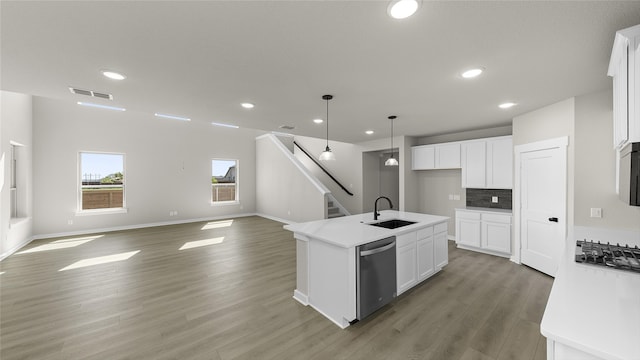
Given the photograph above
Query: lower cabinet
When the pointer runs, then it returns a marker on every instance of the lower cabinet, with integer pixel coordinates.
(420, 254)
(406, 262)
(487, 232)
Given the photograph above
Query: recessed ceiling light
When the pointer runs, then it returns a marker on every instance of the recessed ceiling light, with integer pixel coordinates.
(369, 132)
(471, 73)
(173, 117)
(113, 75)
(506, 105)
(318, 121)
(99, 106)
(401, 9)
(247, 105)
(225, 125)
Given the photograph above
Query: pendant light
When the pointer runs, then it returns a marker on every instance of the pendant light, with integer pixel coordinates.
(327, 155)
(391, 161)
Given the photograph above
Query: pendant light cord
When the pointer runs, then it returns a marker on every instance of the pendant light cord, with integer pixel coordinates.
(327, 123)
(391, 136)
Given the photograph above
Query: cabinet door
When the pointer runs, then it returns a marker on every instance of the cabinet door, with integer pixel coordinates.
(406, 267)
(496, 236)
(620, 98)
(447, 156)
(422, 158)
(441, 249)
(468, 229)
(500, 163)
(474, 164)
(425, 258)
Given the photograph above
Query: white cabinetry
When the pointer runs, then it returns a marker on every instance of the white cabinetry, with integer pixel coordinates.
(406, 267)
(425, 253)
(440, 245)
(624, 67)
(420, 254)
(439, 156)
(484, 231)
(488, 163)
(474, 164)
(448, 156)
(468, 228)
(423, 157)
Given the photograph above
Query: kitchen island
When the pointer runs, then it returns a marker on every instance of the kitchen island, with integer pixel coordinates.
(326, 257)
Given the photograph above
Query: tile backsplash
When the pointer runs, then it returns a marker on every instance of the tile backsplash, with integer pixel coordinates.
(482, 198)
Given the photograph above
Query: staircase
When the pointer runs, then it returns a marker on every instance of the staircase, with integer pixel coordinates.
(333, 211)
(334, 208)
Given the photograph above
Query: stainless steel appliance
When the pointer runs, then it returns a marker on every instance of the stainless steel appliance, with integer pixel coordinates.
(376, 275)
(629, 178)
(613, 256)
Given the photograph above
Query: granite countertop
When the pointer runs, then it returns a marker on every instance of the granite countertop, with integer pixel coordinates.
(591, 308)
(350, 231)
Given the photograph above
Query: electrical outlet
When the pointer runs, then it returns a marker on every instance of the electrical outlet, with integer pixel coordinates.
(596, 212)
(456, 197)
(450, 196)
(175, 212)
(494, 199)
(69, 222)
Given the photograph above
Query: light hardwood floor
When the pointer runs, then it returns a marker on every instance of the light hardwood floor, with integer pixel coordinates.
(232, 299)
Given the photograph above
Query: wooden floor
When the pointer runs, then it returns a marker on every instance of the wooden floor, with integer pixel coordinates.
(232, 299)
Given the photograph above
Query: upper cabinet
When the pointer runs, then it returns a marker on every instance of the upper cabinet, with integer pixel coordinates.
(624, 67)
(488, 163)
(438, 156)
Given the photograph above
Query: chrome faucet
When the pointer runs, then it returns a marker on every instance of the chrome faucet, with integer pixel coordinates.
(375, 206)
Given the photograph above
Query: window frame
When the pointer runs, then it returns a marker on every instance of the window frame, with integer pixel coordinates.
(237, 184)
(111, 210)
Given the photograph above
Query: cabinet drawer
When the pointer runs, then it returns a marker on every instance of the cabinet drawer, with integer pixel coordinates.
(438, 228)
(505, 219)
(467, 215)
(426, 232)
(406, 239)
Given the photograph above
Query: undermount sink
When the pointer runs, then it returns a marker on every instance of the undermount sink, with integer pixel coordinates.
(393, 224)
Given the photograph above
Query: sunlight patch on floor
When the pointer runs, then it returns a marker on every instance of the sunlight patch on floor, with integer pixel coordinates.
(100, 260)
(61, 244)
(200, 243)
(217, 224)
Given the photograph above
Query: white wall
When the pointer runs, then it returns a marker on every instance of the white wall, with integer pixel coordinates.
(16, 125)
(379, 180)
(553, 121)
(284, 191)
(347, 168)
(595, 166)
(168, 166)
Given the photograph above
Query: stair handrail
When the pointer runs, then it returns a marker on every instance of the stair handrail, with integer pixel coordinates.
(323, 168)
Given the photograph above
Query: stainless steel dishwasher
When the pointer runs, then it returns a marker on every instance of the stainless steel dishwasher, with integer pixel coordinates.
(376, 275)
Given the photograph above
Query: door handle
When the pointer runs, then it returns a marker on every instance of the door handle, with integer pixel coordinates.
(553, 219)
(378, 250)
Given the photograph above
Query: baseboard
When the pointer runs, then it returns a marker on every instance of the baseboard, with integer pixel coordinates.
(300, 297)
(275, 218)
(139, 226)
(13, 250)
(451, 237)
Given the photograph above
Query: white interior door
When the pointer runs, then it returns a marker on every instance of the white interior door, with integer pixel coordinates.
(542, 215)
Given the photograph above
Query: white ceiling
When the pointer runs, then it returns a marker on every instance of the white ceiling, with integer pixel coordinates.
(202, 59)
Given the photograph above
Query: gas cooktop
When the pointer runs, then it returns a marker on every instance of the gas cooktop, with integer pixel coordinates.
(617, 256)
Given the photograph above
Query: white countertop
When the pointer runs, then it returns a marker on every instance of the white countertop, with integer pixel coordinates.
(595, 309)
(486, 210)
(350, 231)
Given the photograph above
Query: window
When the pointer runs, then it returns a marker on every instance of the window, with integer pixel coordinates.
(102, 181)
(224, 180)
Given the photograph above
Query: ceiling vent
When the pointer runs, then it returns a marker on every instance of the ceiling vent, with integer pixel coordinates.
(90, 93)
(287, 127)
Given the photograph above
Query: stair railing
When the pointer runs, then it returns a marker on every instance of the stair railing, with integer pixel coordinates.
(323, 168)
